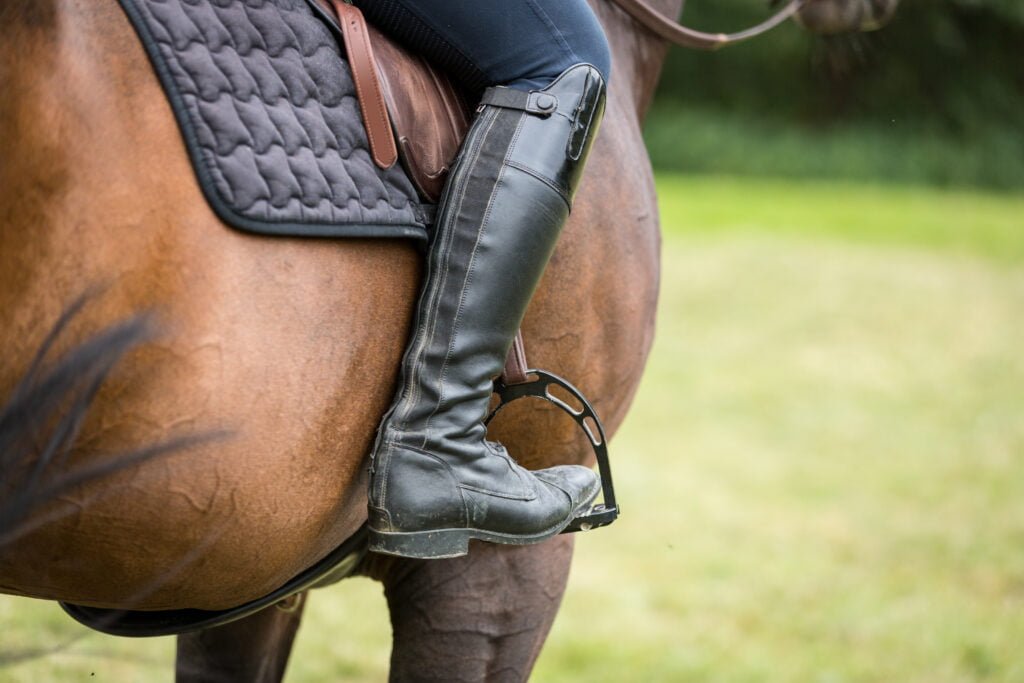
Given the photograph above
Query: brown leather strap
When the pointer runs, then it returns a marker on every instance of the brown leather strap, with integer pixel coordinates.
(515, 364)
(650, 18)
(364, 72)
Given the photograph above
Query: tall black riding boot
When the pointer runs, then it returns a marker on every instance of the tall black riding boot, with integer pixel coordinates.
(436, 482)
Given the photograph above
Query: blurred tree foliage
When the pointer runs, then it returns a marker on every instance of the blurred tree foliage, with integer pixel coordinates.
(1012, 10)
(949, 69)
(954, 62)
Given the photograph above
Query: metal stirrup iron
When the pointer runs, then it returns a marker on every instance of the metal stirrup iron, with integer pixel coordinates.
(518, 382)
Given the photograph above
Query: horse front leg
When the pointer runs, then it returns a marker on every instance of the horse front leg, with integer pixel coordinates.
(254, 649)
(483, 616)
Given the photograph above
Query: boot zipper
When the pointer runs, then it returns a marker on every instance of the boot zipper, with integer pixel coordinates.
(467, 156)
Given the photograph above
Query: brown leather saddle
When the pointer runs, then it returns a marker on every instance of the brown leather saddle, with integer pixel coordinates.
(412, 110)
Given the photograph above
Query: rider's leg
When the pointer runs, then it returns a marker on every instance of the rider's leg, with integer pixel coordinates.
(522, 44)
(436, 482)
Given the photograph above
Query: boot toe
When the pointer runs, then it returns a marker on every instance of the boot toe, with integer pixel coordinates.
(580, 484)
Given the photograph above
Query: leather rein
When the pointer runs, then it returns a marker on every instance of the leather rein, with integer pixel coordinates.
(673, 32)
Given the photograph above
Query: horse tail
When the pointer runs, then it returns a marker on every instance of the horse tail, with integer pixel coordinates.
(41, 420)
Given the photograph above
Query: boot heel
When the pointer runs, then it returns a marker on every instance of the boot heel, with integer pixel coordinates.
(423, 545)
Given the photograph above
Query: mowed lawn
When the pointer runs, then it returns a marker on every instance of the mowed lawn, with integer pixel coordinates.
(822, 476)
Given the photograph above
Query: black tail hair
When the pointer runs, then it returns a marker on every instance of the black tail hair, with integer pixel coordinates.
(44, 415)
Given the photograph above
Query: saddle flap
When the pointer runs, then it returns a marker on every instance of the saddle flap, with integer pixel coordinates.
(429, 114)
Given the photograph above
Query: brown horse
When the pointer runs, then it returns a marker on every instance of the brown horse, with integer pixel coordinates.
(287, 348)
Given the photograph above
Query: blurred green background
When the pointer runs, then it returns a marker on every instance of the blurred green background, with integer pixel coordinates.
(935, 98)
(823, 473)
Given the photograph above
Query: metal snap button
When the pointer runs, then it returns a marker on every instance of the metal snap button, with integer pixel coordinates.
(546, 102)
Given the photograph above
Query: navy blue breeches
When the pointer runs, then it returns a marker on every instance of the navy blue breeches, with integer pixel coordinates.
(518, 43)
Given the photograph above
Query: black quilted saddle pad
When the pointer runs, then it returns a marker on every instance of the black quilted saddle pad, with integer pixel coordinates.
(267, 107)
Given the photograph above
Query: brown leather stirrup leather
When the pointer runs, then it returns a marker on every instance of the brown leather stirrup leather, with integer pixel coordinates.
(368, 88)
(515, 365)
(404, 100)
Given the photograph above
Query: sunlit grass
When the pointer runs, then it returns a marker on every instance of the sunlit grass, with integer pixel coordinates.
(822, 477)
(976, 223)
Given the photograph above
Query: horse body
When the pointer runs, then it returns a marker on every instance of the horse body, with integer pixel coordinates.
(291, 346)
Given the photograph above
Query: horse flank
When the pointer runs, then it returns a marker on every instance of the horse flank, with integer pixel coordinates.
(43, 417)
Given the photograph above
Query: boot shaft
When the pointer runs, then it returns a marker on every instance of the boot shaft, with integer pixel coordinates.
(507, 199)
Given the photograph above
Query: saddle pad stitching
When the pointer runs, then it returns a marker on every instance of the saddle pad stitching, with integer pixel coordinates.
(268, 101)
(303, 136)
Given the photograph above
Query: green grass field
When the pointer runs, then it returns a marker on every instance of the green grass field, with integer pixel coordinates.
(822, 477)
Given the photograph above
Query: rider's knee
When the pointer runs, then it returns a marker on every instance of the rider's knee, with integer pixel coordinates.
(594, 50)
(582, 41)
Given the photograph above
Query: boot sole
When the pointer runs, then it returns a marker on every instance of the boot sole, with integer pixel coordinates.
(439, 544)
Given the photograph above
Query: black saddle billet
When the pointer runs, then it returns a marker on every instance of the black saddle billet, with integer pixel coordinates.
(268, 110)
